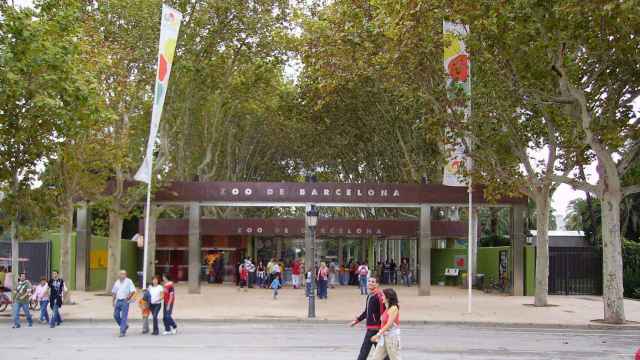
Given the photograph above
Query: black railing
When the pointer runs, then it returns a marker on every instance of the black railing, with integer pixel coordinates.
(575, 271)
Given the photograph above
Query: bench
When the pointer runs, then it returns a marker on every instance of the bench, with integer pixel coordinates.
(452, 273)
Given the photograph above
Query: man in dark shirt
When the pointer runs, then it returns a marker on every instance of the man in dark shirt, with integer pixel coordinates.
(56, 294)
(372, 313)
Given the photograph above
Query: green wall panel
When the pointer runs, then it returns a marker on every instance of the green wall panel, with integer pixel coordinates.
(97, 277)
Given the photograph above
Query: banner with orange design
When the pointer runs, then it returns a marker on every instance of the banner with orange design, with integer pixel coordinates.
(457, 68)
(169, 27)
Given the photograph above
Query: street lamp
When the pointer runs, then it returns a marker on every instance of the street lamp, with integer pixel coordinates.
(312, 222)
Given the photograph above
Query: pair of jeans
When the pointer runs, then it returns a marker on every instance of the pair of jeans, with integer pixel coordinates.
(16, 313)
(406, 279)
(363, 284)
(121, 314)
(167, 319)
(367, 344)
(155, 310)
(44, 314)
(322, 288)
(55, 315)
(389, 349)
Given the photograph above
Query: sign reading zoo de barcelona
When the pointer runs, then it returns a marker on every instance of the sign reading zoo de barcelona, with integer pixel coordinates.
(319, 193)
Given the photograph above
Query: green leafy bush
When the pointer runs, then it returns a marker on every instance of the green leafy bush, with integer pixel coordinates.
(631, 263)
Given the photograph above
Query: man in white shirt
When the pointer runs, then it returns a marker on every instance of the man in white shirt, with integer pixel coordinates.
(122, 291)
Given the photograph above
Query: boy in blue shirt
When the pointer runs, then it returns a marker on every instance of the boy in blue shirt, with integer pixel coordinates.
(275, 284)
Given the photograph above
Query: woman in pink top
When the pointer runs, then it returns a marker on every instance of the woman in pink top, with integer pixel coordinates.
(388, 338)
(41, 295)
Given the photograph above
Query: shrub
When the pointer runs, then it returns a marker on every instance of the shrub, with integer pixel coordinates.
(631, 265)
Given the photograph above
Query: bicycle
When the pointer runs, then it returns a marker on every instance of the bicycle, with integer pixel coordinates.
(5, 299)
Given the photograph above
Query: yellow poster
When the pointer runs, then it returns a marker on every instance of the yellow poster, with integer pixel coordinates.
(98, 259)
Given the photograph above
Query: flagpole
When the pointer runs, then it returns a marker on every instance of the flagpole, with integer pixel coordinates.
(145, 249)
(470, 250)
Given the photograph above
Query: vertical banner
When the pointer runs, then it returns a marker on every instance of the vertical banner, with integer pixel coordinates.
(169, 27)
(457, 68)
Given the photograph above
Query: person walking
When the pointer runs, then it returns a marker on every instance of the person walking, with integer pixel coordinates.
(363, 274)
(244, 276)
(404, 271)
(262, 275)
(56, 294)
(275, 285)
(145, 309)
(374, 308)
(156, 292)
(277, 271)
(323, 281)
(295, 273)
(251, 269)
(169, 299)
(388, 337)
(21, 301)
(122, 292)
(41, 295)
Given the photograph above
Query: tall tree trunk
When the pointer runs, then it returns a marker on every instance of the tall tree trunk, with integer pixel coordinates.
(613, 290)
(114, 247)
(15, 245)
(543, 208)
(15, 252)
(65, 246)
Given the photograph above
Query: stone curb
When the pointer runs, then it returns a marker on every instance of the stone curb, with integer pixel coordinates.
(262, 321)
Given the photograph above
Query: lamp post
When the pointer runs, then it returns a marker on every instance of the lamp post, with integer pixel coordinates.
(312, 222)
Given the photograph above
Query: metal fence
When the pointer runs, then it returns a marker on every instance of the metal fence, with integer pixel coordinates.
(575, 271)
(35, 258)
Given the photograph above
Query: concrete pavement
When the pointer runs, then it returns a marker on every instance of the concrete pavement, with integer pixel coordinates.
(79, 340)
(445, 305)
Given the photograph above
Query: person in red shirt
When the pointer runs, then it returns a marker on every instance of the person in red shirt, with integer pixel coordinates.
(244, 276)
(295, 274)
(169, 299)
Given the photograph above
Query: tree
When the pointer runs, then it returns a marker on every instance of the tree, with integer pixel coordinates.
(126, 32)
(370, 92)
(578, 57)
(37, 85)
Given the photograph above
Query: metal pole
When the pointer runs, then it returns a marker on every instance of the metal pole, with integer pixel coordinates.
(312, 294)
(470, 250)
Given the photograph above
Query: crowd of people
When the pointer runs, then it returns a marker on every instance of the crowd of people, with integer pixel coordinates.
(47, 294)
(381, 312)
(159, 295)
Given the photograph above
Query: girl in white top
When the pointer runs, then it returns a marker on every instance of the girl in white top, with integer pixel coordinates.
(388, 338)
(156, 292)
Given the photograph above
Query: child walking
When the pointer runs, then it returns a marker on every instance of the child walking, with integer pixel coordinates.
(145, 308)
(275, 284)
(41, 295)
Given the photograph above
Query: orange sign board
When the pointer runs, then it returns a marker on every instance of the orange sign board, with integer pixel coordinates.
(98, 259)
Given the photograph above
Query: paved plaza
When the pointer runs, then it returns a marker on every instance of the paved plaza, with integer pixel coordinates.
(445, 305)
(78, 340)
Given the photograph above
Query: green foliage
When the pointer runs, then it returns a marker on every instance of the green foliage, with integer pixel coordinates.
(631, 258)
(372, 96)
(44, 89)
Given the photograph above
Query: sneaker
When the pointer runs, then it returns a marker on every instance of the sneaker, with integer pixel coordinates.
(174, 331)
(167, 333)
(121, 335)
(15, 327)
